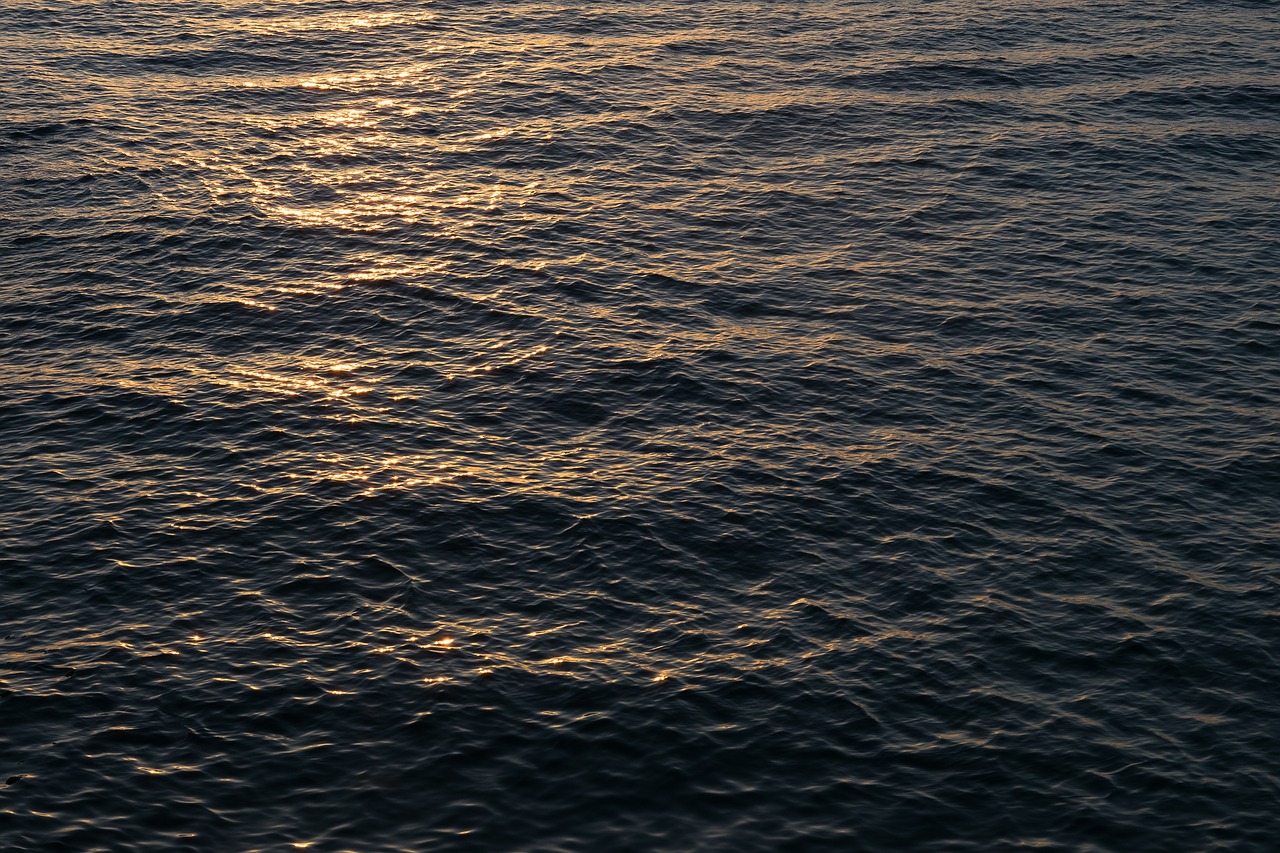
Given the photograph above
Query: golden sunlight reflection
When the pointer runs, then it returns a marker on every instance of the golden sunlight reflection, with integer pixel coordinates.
(325, 381)
(333, 21)
(459, 651)
(349, 168)
(586, 467)
(346, 165)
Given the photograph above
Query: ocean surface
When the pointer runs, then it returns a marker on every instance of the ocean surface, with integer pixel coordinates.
(640, 426)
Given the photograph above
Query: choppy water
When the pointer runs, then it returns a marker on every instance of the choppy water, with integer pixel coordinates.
(642, 426)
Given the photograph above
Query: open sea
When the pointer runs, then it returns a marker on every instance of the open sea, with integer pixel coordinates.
(639, 425)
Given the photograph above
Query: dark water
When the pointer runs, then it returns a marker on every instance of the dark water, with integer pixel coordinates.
(639, 426)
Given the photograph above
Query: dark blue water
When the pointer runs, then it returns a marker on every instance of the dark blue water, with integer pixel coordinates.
(639, 426)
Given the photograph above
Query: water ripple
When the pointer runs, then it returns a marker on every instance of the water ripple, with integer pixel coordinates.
(689, 426)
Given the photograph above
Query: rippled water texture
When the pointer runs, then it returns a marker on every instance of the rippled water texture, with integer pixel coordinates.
(639, 426)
